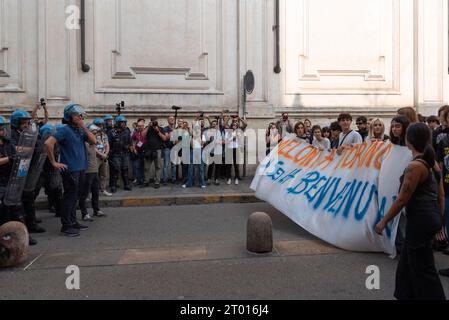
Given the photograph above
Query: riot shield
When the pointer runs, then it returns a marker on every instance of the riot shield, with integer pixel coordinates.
(36, 166)
(21, 165)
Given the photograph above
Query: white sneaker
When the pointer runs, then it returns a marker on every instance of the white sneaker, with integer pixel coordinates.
(184, 186)
(203, 187)
(228, 182)
(236, 182)
(107, 193)
(87, 217)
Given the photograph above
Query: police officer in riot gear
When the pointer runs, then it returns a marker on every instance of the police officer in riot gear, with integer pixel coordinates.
(120, 145)
(7, 152)
(108, 123)
(50, 178)
(20, 120)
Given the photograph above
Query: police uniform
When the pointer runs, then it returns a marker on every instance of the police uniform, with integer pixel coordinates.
(119, 143)
(6, 213)
(51, 180)
(28, 197)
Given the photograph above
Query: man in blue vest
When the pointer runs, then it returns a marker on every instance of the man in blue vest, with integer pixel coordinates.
(73, 163)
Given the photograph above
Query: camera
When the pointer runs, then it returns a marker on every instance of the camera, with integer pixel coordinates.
(155, 124)
(120, 106)
(176, 108)
(43, 103)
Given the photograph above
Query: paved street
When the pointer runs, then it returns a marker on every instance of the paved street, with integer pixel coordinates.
(193, 252)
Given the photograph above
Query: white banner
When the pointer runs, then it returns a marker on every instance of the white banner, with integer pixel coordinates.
(339, 199)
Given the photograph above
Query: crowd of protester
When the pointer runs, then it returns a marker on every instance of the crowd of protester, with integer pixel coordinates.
(99, 158)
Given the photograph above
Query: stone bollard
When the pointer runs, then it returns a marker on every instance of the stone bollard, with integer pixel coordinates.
(259, 233)
(13, 244)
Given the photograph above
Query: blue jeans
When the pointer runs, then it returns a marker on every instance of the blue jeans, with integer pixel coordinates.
(138, 168)
(167, 164)
(72, 182)
(191, 173)
(91, 185)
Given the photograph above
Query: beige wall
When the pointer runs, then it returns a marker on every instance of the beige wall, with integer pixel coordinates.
(368, 57)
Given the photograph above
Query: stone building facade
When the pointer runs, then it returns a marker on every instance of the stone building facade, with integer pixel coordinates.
(365, 56)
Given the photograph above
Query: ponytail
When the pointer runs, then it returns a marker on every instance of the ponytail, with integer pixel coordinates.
(420, 137)
(429, 155)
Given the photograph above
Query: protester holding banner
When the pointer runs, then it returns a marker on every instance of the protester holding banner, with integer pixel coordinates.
(300, 131)
(326, 133)
(318, 140)
(422, 194)
(348, 137)
(377, 131)
(398, 129)
(309, 132)
(335, 134)
(362, 125)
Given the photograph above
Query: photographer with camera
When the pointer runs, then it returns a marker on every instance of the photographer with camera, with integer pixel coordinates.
(214, 148)
(35, 116)
(155, 138)
(137, 155)
(168, 145)
(197, 143)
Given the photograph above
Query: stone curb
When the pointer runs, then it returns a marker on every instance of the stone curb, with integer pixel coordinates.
(191, 199)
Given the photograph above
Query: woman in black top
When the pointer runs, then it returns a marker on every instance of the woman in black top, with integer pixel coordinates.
(422, 194)
(398, 130)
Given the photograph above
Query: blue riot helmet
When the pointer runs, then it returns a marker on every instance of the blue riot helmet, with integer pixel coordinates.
(3, 121)
(17, 117)
(73, 109)
(120, 119)
(93, 128)
(4, 127)
(46, 131)
(108, 121)
(99, 122)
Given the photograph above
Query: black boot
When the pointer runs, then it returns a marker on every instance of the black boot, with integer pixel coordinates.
(35, 229)
(31, 241)
(126, 184)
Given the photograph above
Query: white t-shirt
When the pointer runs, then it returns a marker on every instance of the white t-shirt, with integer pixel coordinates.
(232, 139)
(353, 137)
(324, 144)
(218, 139)
(197, 143)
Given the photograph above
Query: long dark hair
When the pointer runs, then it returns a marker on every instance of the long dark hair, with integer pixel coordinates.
(403, 121)
(420, 137)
